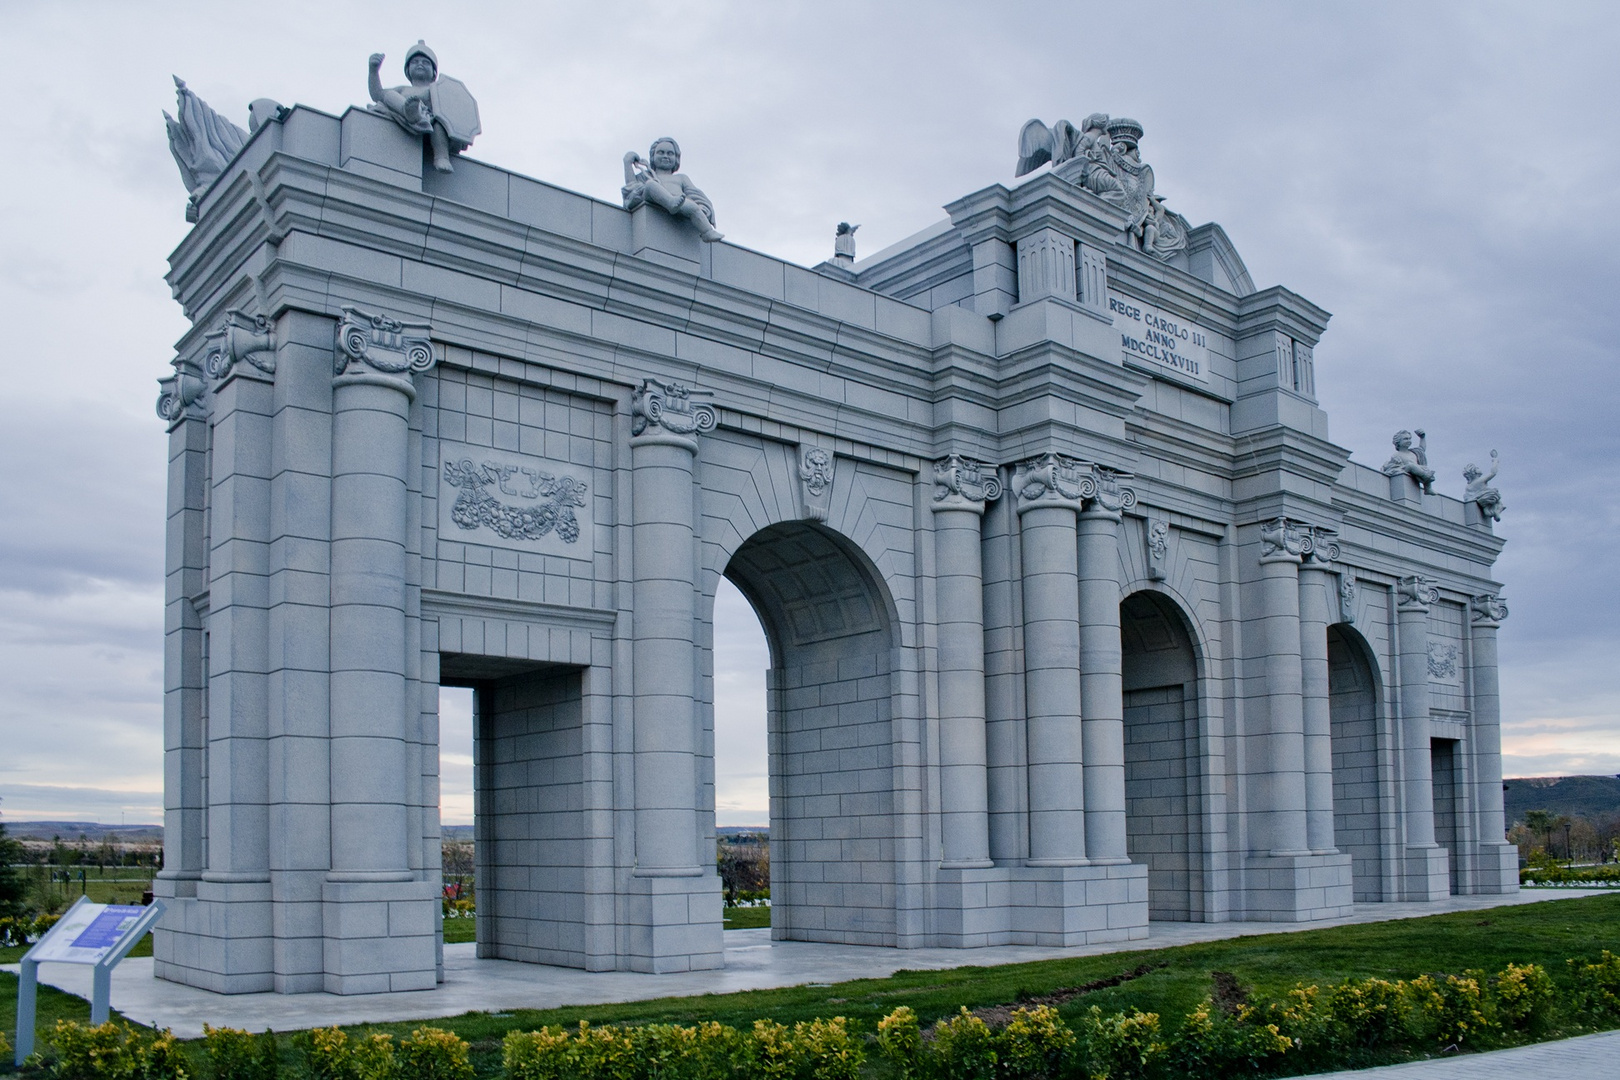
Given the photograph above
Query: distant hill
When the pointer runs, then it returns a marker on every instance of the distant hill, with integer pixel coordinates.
(1577, 796)
(70, 831)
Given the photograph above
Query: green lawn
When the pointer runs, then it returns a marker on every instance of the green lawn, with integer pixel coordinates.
(748, 918)
(1546, 934)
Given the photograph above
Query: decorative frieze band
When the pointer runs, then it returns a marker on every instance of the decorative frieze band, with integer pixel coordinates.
(1415, 592)
(1056, 480)
(386, 345)
(1487, 610)
(964, 484)
(671, 409)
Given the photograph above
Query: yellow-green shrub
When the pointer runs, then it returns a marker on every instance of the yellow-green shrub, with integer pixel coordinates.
(1524, 998)
(1450, 1010)
(1035, 1045)
(234, 1054)
(1597, 986)
(1124, 1046)
(116, 1052)
(1363, 1014)
(1213, 1043)
(899, 1037)
(332, 1055)
(433, 1054)
(961, 1048)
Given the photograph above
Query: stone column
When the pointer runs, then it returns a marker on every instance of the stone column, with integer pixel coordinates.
(1316, 584)
(664, 429)
(372, 712)
(1102, 693)
(1279, 778)
(238, 707)
(1499, 863)
(961, 490)
(1427, 874)
(1049, 499)
(371, 401)
(183, 403)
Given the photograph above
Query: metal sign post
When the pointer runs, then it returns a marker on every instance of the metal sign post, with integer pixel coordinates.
(95, 934)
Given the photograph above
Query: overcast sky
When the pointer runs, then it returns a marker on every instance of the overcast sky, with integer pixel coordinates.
(1441, 177)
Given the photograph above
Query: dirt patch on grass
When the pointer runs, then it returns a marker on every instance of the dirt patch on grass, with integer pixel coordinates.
(998, 1016)
(1229, 994)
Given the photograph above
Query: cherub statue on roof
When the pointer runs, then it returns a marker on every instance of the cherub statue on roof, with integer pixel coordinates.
(435, 106)
(657, 179)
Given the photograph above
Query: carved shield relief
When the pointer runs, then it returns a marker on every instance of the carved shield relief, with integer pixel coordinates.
(454, 105)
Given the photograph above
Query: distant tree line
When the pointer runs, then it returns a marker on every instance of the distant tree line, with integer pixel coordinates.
(1572, 838)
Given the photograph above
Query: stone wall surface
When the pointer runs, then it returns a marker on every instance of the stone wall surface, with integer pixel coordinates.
(1078, 618)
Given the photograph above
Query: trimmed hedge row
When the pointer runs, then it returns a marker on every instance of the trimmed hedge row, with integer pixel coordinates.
(1311, 1027)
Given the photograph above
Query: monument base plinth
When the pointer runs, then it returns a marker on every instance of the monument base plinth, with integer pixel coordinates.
(380, 936)
(674, 924)
(1298, 888)
(1427, 873)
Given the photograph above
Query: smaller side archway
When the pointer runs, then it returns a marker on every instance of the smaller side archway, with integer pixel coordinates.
(1163, 823)
(1359, 802)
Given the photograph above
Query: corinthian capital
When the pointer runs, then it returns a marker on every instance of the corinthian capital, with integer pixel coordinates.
(382, 345)
(1415, 591)
(1488, 609)
(671, 409)
(963, 484)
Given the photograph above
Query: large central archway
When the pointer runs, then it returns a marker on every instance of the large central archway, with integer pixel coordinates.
(830, 626)
(1359, 818)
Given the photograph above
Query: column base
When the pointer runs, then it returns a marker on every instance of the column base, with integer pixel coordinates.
(1040, 905)
(380, 936)
(1496, 869)
(1297, 888)
(673, 924)
(1426, 873)
(219, 939)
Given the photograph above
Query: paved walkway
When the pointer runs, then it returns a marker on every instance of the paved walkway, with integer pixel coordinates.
(1590, 1057)
(753, 962)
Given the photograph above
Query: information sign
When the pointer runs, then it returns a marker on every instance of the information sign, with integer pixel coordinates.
(95, 934)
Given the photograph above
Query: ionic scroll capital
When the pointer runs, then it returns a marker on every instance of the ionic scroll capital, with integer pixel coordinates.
(1103, 493)
(243, 344)
(1283, 539)
(964, 484)
(1049, 480)
(1415, 593)
(670, 412)
(381, 349)
(1487, 610)
(183, 395)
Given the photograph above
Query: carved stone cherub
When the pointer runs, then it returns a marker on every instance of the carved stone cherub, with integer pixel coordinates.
(1411, 460)
(657, 179)
(434, 106)
(1488, 499)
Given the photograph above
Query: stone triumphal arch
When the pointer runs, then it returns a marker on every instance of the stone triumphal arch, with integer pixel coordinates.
(1077, 617)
